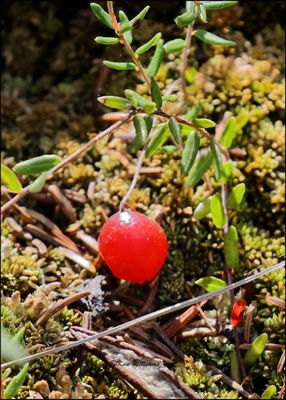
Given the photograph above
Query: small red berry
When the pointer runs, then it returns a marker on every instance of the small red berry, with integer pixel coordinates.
(237, 312)
(133, 246)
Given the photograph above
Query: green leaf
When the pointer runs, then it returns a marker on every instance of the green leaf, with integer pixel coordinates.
(229, 132)
(202, 13)
(190, 152)
(203, 209)
(146, 46)
(194, 112)
(269, 392)
(226, 171)
(169, 97)
(10, 349)
(37, 165)
(241, 120)
(256, 349)
(203, 122)
(16, 382)
(210, 283)
(190, 6)
(169, 149)
(106, 40)
(185, 19)
(127, 35)
(217, 211)
(175, 130)
(120, 103)
(231, 253)
(121, 66)
(149, 122)
(18, 337)
(210, 38)
(128, 25)
(217, 5)
(38, 184)
(10, 180)
(186, 130)
(141, 132)
(136, 99)
(158, 140)
(156, 93)
(125, 27)
(156, 60)
(236, 195)
(199, 168)
(174, 46)
(141, 15)
(101, 14)
(217, 160)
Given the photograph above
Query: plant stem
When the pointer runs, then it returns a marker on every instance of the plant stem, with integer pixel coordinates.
(68, 159)
(134, 180)
(186, 54)
(228, 278)
(134, 57)
(202, 131)
(136, 60)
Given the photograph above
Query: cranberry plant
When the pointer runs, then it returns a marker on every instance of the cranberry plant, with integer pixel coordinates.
(155, 129)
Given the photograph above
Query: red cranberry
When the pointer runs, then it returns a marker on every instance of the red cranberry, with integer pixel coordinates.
(133, 246)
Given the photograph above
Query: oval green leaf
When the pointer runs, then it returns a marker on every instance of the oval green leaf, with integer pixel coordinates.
(146, 46)
(217, 211)
(127, 35)
(227, 169)
(256, 349)
(231, 253)
(120, 103)
(156, 93)
(217, 160)
(210, 38)
(185, 19)
(218, 5)
(158, 140)
(269, 392)
(101, 14)
(203, 122)
(121, 66)
(236, 195)
(199, 168)
(37, 165)
(169, 97)
(16, 382)
(229, 132)
(175, 130)
(202, 13)
(169, 149)
(10, 180)
(210, 283)
(174, 46)
(141, 131)
(156, 60)
(38, 183)
(203, 209)
(106, 40)
(190, 152)
(140, 16)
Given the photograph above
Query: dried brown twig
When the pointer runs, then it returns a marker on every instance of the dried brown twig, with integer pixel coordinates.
(67, 160)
